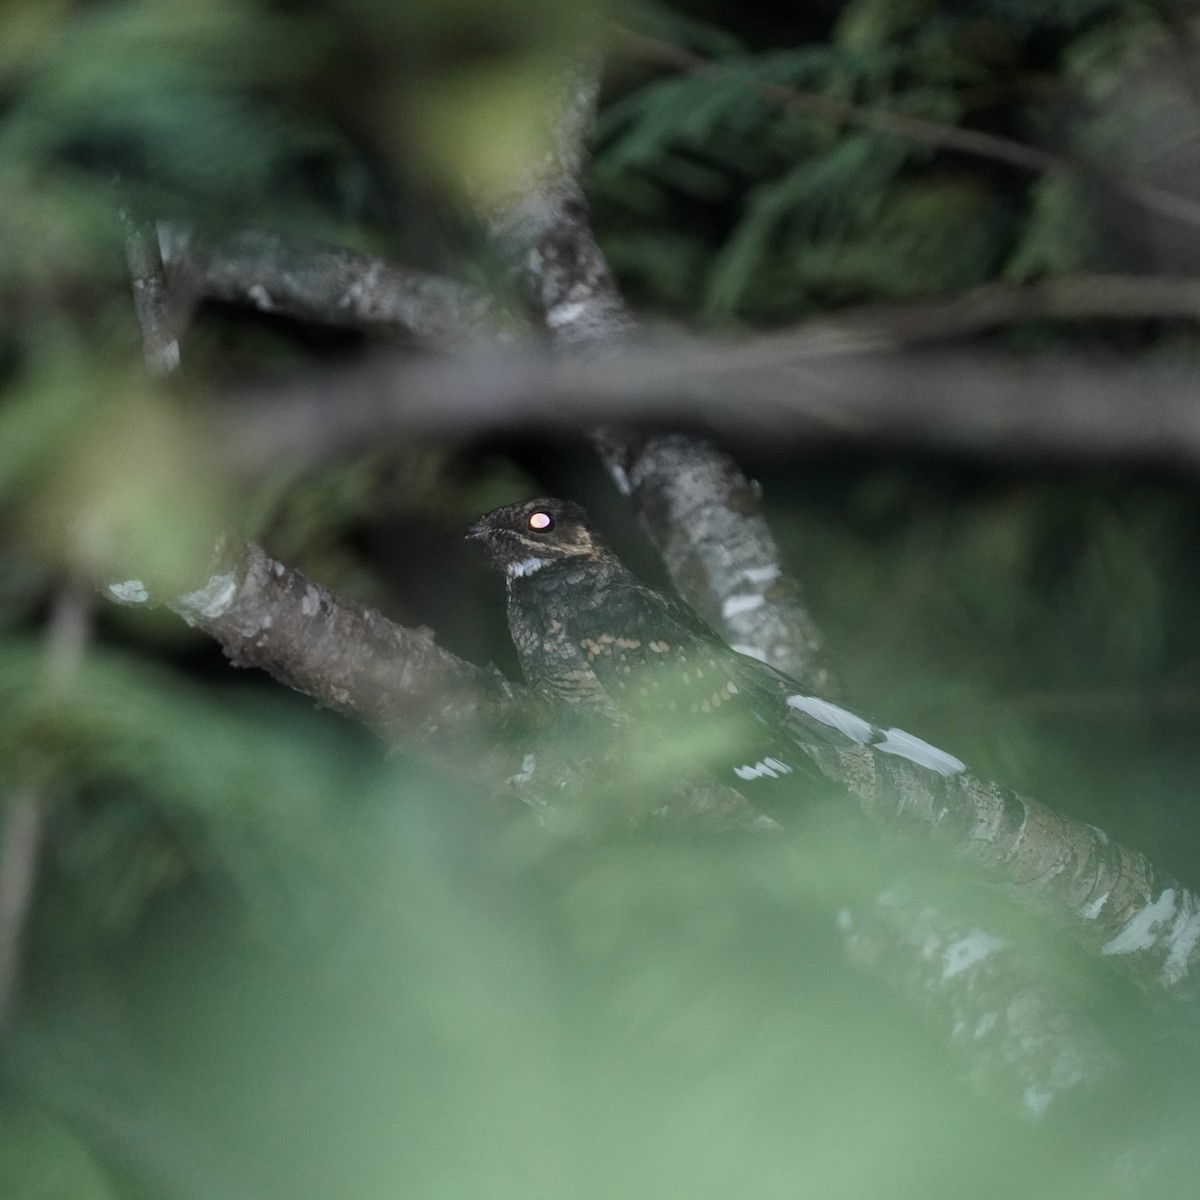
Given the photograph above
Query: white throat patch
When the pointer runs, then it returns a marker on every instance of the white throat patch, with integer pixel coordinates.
(526, 566)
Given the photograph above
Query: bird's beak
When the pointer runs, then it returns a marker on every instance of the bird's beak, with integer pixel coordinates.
(476, 531)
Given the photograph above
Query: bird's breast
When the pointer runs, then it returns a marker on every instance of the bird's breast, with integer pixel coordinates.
(550, 656)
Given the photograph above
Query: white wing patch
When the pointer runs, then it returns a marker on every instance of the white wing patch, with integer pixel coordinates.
(844, 721)
(904, 745)
(887, 741)
(772, 768)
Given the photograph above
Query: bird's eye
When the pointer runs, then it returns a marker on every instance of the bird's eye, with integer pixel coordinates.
(540, 521)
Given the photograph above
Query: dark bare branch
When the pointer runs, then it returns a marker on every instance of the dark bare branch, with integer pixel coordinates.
(151, 297)
(1070, 298)
(810, 391)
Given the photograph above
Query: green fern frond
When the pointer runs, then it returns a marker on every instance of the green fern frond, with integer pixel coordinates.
(818, 199)
(181, 781)
(933, 236)
(1057, 237)
(680, 29)
(1099, 60)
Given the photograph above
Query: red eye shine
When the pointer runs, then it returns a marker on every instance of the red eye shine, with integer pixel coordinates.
(540, 521)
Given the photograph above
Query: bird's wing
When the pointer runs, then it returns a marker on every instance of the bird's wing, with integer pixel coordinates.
(656, 658)
(717, 709)
(651, 655)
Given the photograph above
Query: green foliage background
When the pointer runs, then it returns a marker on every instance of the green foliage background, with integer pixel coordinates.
(265, 959)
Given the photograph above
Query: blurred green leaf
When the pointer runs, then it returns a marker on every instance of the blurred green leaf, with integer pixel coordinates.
(41, 1159)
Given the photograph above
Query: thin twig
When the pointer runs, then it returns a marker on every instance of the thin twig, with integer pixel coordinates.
(20, 841)
(1081, 297)
(151, 296)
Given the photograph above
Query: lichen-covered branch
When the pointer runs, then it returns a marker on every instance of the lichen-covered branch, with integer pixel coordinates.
(1016, 1038)
(332, 286)
(413, 692)
(1110, 898)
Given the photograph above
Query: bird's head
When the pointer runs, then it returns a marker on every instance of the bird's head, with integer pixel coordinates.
(523, 538)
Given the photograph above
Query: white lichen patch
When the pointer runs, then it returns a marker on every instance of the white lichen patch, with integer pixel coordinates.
(1036, 1101)
(1091, 910)
(310, 603)
(363, 286)
(260, 297)
(131, 591)
(566, 314)
(525, 774)
(1141, 930)
(746, 602)
(173, 240)
(621, 478)
(984, 1025)
(965, 952)
(762, 575)
(749, 651)
(210, 601)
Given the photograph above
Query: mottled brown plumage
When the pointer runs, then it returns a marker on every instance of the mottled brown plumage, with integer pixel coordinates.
(589, 633)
